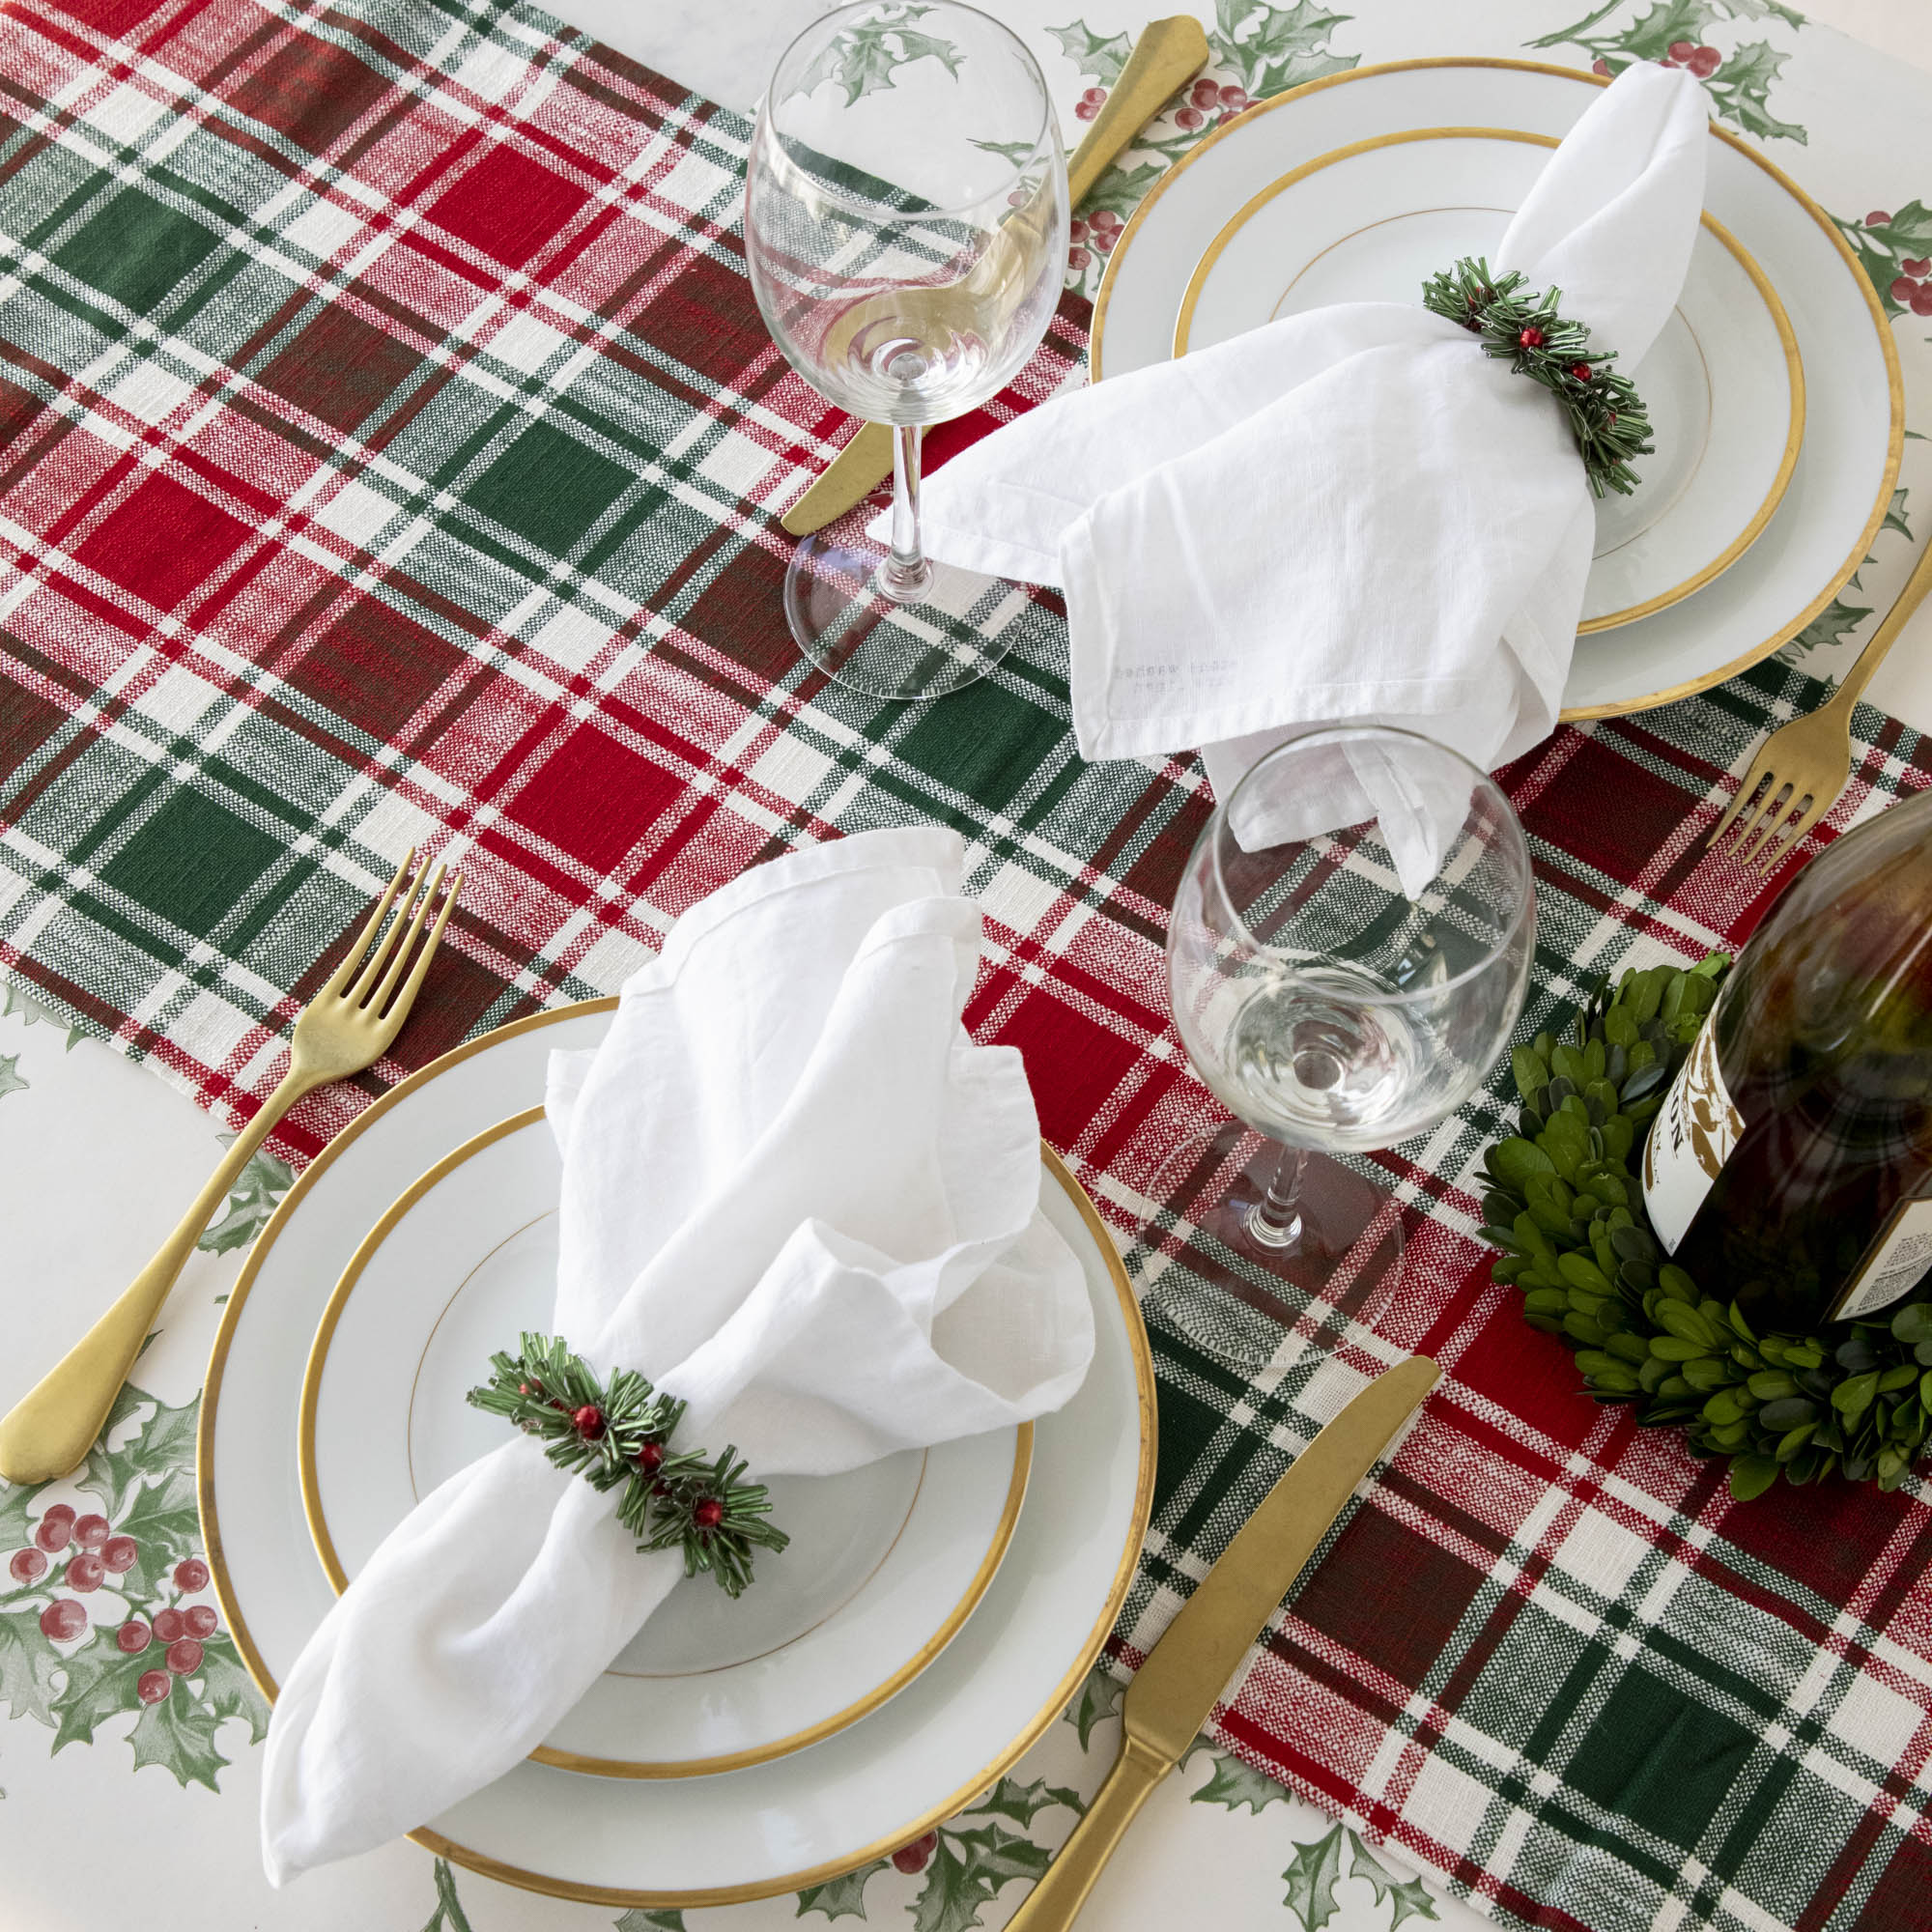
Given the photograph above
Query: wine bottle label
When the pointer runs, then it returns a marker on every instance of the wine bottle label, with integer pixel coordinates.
(1689, 1140)
(1893, 1264)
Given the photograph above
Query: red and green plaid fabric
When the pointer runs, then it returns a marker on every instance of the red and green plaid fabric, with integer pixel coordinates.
(390, 452)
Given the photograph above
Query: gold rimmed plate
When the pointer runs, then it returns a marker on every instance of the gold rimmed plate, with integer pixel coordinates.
(1723, 383)
(1840, 487)
(885, 1563)
(769, 1828)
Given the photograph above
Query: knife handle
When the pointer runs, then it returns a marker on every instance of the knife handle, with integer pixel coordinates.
(1053, 1903)
(1167, 55)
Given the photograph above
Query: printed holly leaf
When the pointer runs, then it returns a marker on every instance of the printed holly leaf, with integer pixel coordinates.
(968, 1869)
(865, 58)
(99, 1685)
(15, 1000)
(1303, 68)
(1009, 1799)
(254, 1197)
(1763, 10)
(841, 1897)
(179, 1734)
(1238, 1786)
(11, 1081)
(28, 1665)
(1310, 1881)
(1099, 60)
(1283, 42)
(1122, 189)
(1410, 1895)
(1894, 517)
(449, 1916)
(1100, 1698)
(1741, 90)
(16, 1501)
(642, 1919)
(162, 1446)
(227, 1688)
(1649, 37)
(1835, 622)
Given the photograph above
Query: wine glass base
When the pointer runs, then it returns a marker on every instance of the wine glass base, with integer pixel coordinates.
(1234, 1289)
(850, 625)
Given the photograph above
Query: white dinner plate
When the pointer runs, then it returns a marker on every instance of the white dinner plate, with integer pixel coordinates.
(1847, 465)
(747, 1834)
(1723, 384)
(884, 1565)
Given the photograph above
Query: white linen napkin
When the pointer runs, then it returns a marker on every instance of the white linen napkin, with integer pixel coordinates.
(1352, 513)
(797, 1196)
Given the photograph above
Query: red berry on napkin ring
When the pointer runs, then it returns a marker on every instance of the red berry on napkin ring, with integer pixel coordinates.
(1531, 338)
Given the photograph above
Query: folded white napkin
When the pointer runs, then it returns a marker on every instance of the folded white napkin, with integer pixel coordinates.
(1352, 513)
(797, 1196)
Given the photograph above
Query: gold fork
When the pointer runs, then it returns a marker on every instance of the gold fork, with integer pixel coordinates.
(348, 1026)
(1803, 767)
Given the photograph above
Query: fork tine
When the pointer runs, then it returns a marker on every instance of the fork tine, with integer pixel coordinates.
(399, 1008)
(352, 960)
(357, 986)
(1747, 789)
(1768, 859)
(418, 919)
(1764, 822)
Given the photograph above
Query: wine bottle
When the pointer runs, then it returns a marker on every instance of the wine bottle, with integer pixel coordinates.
(1790, 1166)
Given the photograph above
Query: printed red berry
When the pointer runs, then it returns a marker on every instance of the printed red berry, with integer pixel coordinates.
(1705, 62)
(913, 1857)
(1682, 50)
(1077, 258)
(133, 1637)
(1204, 93)
(1581, 371)
(85, 1572)
(651, 1455)
(707, 1511)
(54, 1532)
(169, 1624)
(183, 1656)
(587, 1420)
(120, 1553)
(191, 1573)
(1096, 97)
(63, 1620)
(1076, 229)
(1917, 267)
(1921, 300)
(1189, 117)
(1879, 218)
(1084, 110)
(1236, 97)
(59, 1512)
(91, 1531)
(1105, 239)
(1902, 290)
(201, 1620)
(1599, 66)
(1531, 337)
(153, 1685)
(28, 1566)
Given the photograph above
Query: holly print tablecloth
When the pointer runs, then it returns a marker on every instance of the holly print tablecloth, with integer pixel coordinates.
(391, 454)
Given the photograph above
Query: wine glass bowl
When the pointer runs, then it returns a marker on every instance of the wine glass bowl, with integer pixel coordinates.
(1347, 954)
(906, 234)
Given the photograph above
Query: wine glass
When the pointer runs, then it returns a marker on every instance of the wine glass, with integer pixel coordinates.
(1346, 958)
(905, 227)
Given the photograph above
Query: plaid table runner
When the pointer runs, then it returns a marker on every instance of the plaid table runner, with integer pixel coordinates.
(391, 453)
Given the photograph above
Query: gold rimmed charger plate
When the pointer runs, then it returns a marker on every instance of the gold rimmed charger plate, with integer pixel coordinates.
(895, 1556)
(1683, 377)
(805, 1818)
(1846, 468)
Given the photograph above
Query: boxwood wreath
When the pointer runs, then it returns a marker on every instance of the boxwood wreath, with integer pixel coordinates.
(1563, 1204)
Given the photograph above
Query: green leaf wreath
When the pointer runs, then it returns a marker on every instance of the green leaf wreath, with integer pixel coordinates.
(1563, 1204)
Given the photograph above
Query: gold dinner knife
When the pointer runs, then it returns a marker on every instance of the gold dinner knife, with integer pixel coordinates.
(1178, 1686)
(1168, 54)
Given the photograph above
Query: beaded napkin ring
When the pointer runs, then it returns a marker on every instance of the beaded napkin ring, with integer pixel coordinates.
(674, 1499)
(1607, 415)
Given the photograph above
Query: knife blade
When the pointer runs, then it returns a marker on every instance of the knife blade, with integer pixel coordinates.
(1168, 54)
(1175, 1690)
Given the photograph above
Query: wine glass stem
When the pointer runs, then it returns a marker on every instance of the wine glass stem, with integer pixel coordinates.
(1274, 1221)
(906, 573)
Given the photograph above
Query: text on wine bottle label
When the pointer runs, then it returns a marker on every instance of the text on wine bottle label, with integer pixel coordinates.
(1689, 1140)
(1893, 1264)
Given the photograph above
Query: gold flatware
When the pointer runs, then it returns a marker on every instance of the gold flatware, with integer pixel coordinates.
(348, 1026)
(1175, 1690)
(1166, 57)
(1803, 767)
